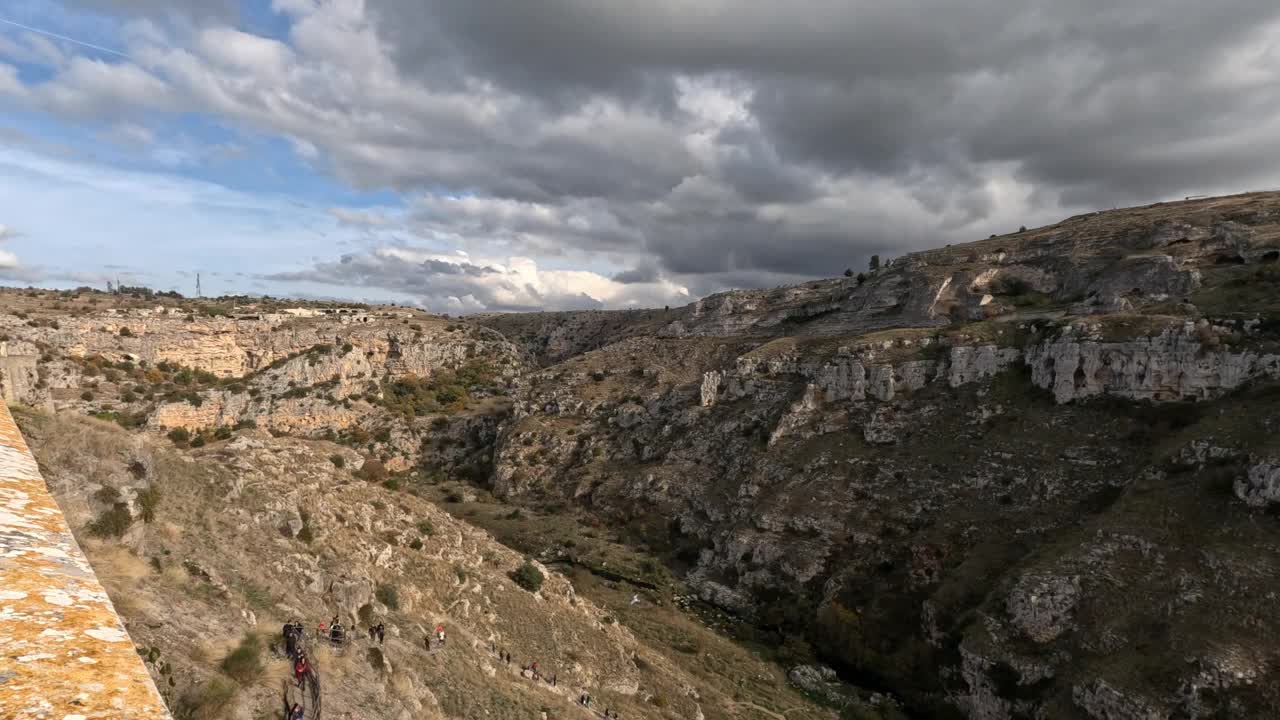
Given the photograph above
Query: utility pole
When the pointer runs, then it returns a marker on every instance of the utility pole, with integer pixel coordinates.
(198, 286)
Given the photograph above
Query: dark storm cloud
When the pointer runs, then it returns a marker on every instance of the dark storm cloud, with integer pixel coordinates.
(1086, 103)
(706, 143)
(643, 274)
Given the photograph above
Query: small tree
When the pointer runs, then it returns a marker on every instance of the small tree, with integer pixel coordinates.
(179, 435)
(848, 272)
(528, 576)
(874, 263)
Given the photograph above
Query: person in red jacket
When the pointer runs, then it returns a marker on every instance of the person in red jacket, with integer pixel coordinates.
(300, 668)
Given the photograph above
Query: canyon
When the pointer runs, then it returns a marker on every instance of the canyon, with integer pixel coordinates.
(1033, 476)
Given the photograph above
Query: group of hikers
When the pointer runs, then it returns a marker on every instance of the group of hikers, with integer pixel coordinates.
(293, 644)
(534, 671)
(439, 638)
(334, 631)
(585, 701)
(336, 634)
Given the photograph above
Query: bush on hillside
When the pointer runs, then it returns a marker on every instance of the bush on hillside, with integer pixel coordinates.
(113, 522)
(305, 534)
(528, 576)
(372, 471)
(179, 435)
(204, 702)
(244, 664)
(148, 500)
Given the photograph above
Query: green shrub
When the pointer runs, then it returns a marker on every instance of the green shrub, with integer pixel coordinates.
(112, 522)
(87, 395)
(528, 576)
(197, 441)
(387, 595)
(244, 664)
(204, 702)
(222, 433)
(426, 528)
(179, 435)
(148, 500)
(107, 495)
(416, 543)
(391, 483)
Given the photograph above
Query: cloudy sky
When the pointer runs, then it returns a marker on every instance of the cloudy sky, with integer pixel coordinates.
(468, 155)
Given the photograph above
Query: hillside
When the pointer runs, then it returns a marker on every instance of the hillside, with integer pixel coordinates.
(230, 541)
(1030, 476)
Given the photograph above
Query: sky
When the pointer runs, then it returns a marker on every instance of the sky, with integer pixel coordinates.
(471, 156)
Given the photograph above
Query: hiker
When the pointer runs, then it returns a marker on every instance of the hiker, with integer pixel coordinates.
(373, 631)
(322, 630)
(300, 668)
(296, 712)
(534, 668)
(336, 634)
(440, 634)
(427, 641)
(290, 639)
(382, 633)
(508, 658)
(553, 680)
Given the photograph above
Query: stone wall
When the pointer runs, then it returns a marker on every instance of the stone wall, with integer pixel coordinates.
(64, 654)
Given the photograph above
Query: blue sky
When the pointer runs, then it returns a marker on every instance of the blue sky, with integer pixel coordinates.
(155, 197)
(498, 156)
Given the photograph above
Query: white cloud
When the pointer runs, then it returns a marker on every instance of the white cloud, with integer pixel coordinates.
(460, 283)
(8, 260)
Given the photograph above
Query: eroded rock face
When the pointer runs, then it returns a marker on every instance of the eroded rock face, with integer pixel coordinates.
(1101, 701)
(1041, 606)
(1174, 365)
(1261, 486)
(19, 374)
